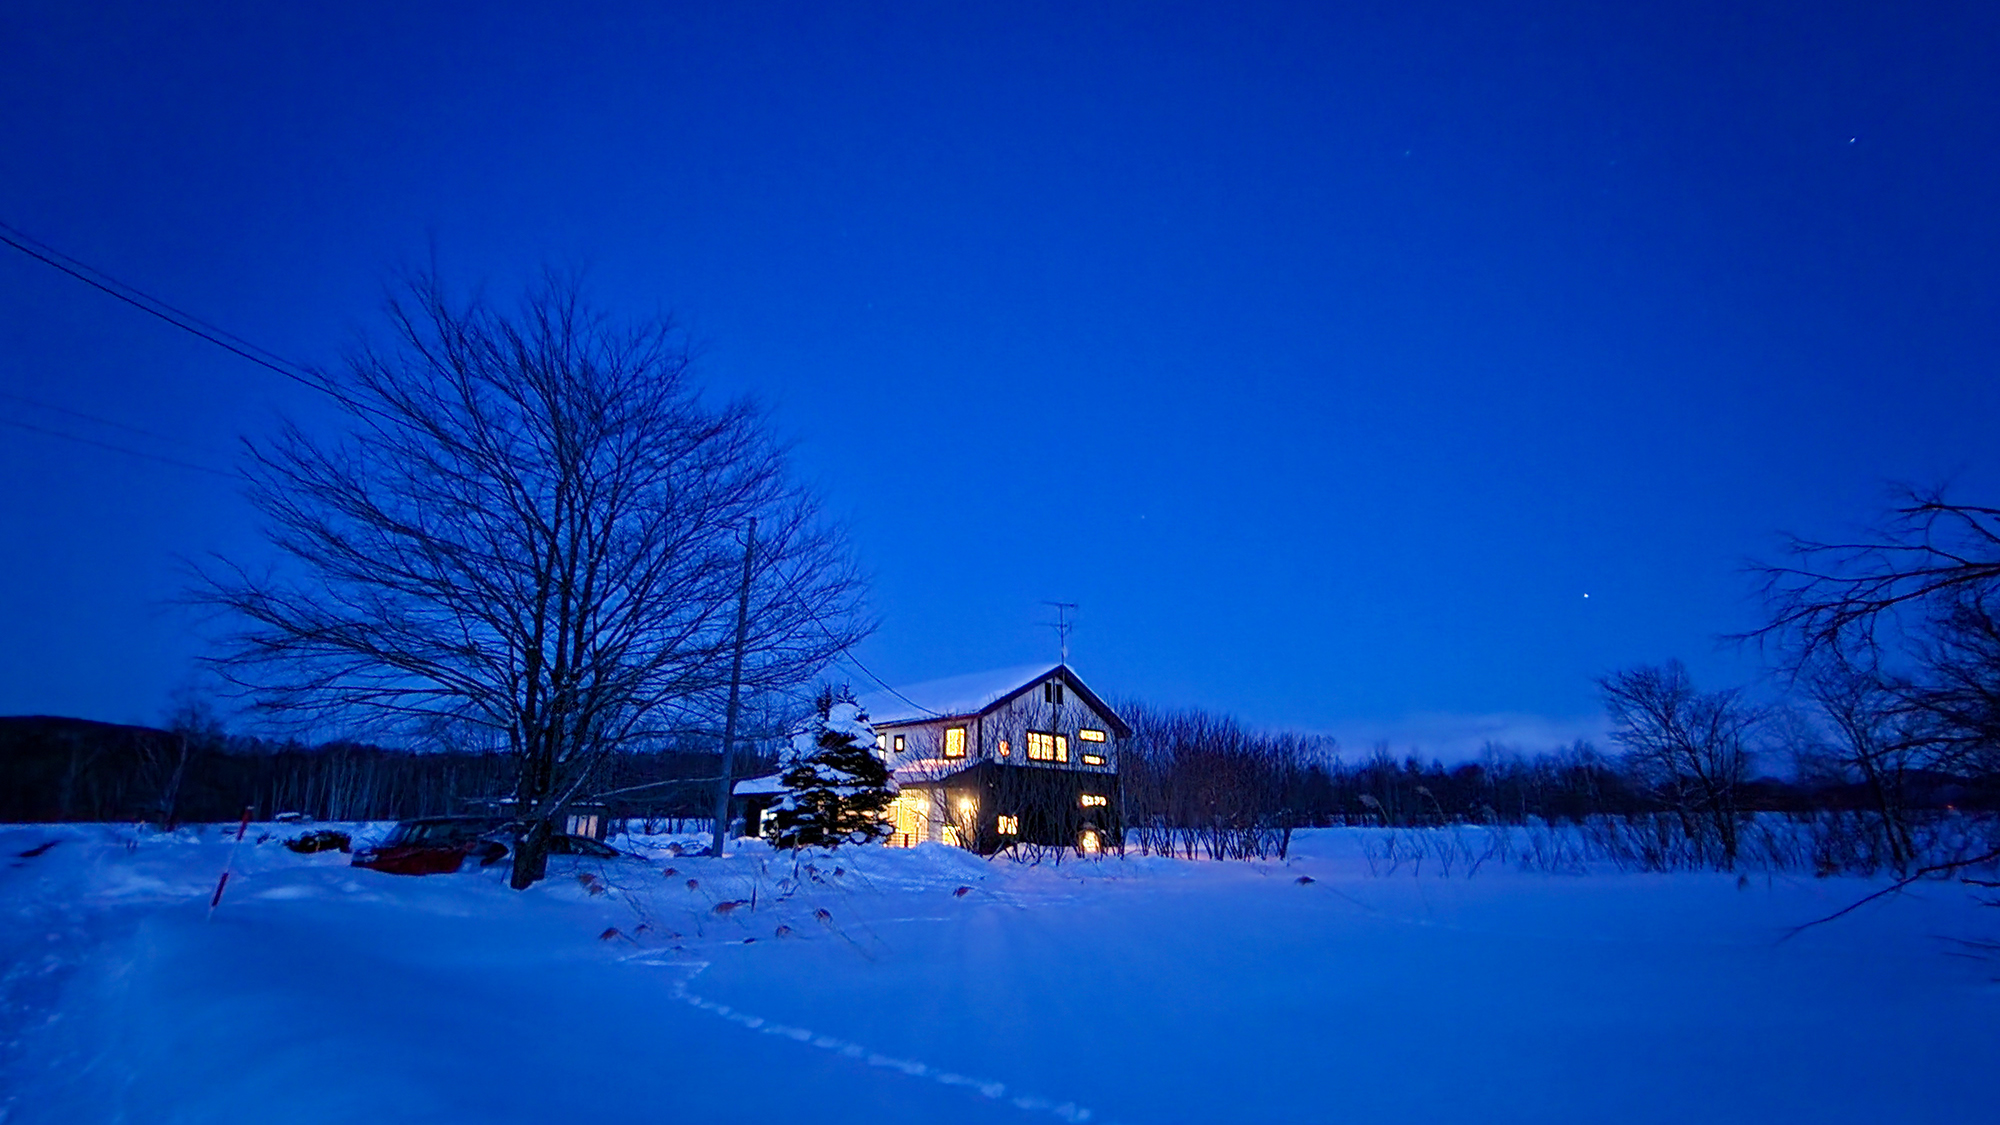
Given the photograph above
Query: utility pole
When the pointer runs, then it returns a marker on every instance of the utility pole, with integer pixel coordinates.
(723, 795)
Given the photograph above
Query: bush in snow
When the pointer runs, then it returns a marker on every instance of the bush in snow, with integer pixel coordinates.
(325, 840)
(839, 790)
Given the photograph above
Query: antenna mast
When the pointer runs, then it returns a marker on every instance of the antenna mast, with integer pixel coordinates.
(1062, 625)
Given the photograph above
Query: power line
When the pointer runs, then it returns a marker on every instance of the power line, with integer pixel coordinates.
(31, 428)
(844, 653)
(103, 421)
(145, 302)
(865, 670)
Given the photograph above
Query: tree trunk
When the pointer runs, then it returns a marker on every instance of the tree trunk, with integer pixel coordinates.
(531, 856)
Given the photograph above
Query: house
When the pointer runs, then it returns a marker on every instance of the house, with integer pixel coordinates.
(1021, 755)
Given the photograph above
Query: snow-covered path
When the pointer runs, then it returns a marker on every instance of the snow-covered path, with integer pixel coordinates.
(1123, 991)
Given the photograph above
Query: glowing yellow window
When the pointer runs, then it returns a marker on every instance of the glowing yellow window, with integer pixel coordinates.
(1004, 748)
(910, 819)
(1088, 735)
(1093, 759)
(1094, 801)
(1044, 747)
(1009, 826)
(954, 742)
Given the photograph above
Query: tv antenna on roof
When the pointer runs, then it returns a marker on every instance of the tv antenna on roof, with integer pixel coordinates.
(1062, 625)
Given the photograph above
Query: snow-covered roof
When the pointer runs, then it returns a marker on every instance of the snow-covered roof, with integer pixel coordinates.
(756, 785)
(951, 696)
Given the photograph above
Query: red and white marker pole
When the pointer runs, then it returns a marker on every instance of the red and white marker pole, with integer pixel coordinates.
(241, 828)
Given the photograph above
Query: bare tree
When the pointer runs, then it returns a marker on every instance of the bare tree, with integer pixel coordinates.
(528, 530)
(1689, 748)
(1865, 733)
(1847, 594)
(193, 728)
(1912, 608)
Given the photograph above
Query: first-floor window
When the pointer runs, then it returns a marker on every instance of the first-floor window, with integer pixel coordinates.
(1046, 747)
(954, 742)
(1010, 826)
(1095, 801)
(1093, 759)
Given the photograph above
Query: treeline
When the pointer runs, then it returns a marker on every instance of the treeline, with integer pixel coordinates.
(58, 769)
(1196, 783)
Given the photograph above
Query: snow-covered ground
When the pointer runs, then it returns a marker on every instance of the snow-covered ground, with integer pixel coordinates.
(874, 990)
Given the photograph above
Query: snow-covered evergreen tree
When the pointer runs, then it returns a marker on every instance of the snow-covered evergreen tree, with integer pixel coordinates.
(839, 791)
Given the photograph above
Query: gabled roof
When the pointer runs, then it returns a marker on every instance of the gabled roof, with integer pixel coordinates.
(959, 697)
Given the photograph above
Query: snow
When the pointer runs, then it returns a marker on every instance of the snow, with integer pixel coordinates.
(757, 786)
(949, 697)
(845, 718)
(1116, 990)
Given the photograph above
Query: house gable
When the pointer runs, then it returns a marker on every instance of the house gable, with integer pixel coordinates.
(1041, 717)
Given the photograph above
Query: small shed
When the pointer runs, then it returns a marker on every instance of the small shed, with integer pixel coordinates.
(753, 797)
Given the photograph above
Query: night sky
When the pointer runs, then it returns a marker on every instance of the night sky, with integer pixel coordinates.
(1328, 355)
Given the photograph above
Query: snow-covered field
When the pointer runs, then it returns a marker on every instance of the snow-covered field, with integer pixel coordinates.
(873, 990)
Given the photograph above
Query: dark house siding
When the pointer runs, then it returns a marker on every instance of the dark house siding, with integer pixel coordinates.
(1047, 802)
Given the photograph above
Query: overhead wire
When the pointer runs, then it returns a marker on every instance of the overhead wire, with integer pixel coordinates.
(102, 421)
(847, 655)
(129, 452)
(153, 306)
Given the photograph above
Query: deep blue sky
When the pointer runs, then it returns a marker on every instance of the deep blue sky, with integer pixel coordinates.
(1327, 354)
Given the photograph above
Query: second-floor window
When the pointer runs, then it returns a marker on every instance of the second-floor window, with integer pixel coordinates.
(1046, 747)
(954, 742)
(899, 744)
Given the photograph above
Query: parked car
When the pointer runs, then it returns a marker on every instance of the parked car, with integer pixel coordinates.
(438, 845)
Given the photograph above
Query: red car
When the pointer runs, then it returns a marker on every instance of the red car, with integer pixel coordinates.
(438, 845)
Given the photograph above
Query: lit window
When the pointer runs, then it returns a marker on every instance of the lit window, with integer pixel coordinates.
(1045, 747)
(954, 742)
(1094, 801)
(1093, 759)
(1009, 826)
(1088, 735)
(1005, 749)
(881, 742)
(585, 825)
(1088, 843)
(966, 804)
(899, 744)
